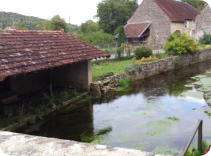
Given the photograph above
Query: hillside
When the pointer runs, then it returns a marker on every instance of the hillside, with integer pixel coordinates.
(10, 19)
(32, 23)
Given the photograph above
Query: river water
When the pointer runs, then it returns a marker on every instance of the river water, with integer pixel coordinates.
(158, 114)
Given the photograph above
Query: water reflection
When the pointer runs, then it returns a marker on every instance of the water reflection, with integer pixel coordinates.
(141, 119)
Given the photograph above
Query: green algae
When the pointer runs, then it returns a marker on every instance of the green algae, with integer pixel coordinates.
(194, 94)
(159, 127)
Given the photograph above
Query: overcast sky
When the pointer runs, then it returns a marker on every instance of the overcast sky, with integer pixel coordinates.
(79, 11)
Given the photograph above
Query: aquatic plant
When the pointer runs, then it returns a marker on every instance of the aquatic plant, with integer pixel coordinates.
(208, 113)
(173, 118)
(87, 137)
(124, 84)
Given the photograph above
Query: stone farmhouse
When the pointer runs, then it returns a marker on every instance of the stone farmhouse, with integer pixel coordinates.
(34, 60)
(155, 20)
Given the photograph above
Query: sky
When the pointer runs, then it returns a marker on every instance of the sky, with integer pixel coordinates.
(78, 11)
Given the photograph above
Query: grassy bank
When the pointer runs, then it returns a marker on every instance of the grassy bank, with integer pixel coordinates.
(100, 69)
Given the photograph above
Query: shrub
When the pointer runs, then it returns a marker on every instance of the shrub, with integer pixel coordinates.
(206, 39)
(147, 59)
(179, 44)
(142, 51)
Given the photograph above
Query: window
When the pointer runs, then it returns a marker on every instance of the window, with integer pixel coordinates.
(186, 24)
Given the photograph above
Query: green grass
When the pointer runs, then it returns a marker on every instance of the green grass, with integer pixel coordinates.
(104, 67)
(204, 46)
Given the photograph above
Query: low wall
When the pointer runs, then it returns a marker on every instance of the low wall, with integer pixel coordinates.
(20, 144)
(144, 70)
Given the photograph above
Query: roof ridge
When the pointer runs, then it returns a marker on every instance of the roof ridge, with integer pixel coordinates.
(43, 31)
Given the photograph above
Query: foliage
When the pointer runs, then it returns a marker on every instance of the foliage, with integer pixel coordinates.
(119, 52)
(21, 25)
(91, 33)
(206, 39)
(179, 44)
(173, 118)
(57, 23)
(204, 46)
(95, 38)
(147, 59)
(107, 66)
(12, 19)
(89, 26)
(160, 55)
(193, 151)
(198, 4)
(113, 13)
(142, 51)
(121, 36)
(33, 106)
(87, 137)
(124, 84)
(208, 113)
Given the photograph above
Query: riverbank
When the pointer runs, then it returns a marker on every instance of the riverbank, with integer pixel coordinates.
(139, 71)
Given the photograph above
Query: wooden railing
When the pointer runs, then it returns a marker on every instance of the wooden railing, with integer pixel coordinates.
(199, 129)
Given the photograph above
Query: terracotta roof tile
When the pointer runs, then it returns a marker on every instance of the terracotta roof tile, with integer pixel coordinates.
(135, 30)
(27, 51)
(177, 11)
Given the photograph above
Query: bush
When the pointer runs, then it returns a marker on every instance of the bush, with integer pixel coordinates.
(142, 51)
(179, 44)
(206, 39)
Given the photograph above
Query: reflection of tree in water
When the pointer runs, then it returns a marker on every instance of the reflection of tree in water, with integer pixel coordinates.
(172, 83)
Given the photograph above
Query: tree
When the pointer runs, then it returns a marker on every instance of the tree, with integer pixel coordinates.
(121, 35)
(21, 25)
(198, 4)
(56, 23)
(89, 26)
(113, 13)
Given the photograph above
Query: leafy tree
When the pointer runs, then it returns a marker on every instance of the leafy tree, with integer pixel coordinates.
(89, 26)
(96, 38)
(198, 4)
(21, 25)
(57, 23)
(113, 13)
(179, 44)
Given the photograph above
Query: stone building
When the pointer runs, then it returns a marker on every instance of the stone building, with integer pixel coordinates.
(34, 60)
(155, 20)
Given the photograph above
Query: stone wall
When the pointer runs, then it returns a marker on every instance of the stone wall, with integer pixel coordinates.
(203, 23)
(148, 11)
(144, 70)
(27, 145)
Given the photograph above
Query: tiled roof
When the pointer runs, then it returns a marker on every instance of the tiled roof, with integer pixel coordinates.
(177, 11)
(27, 51)
(135, 30)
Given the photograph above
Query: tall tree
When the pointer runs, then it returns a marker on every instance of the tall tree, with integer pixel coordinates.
(57, 23)
(113, 13)
(198, 4)
(89, 26)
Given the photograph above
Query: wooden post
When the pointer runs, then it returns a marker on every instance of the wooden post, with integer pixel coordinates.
(200, 137)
